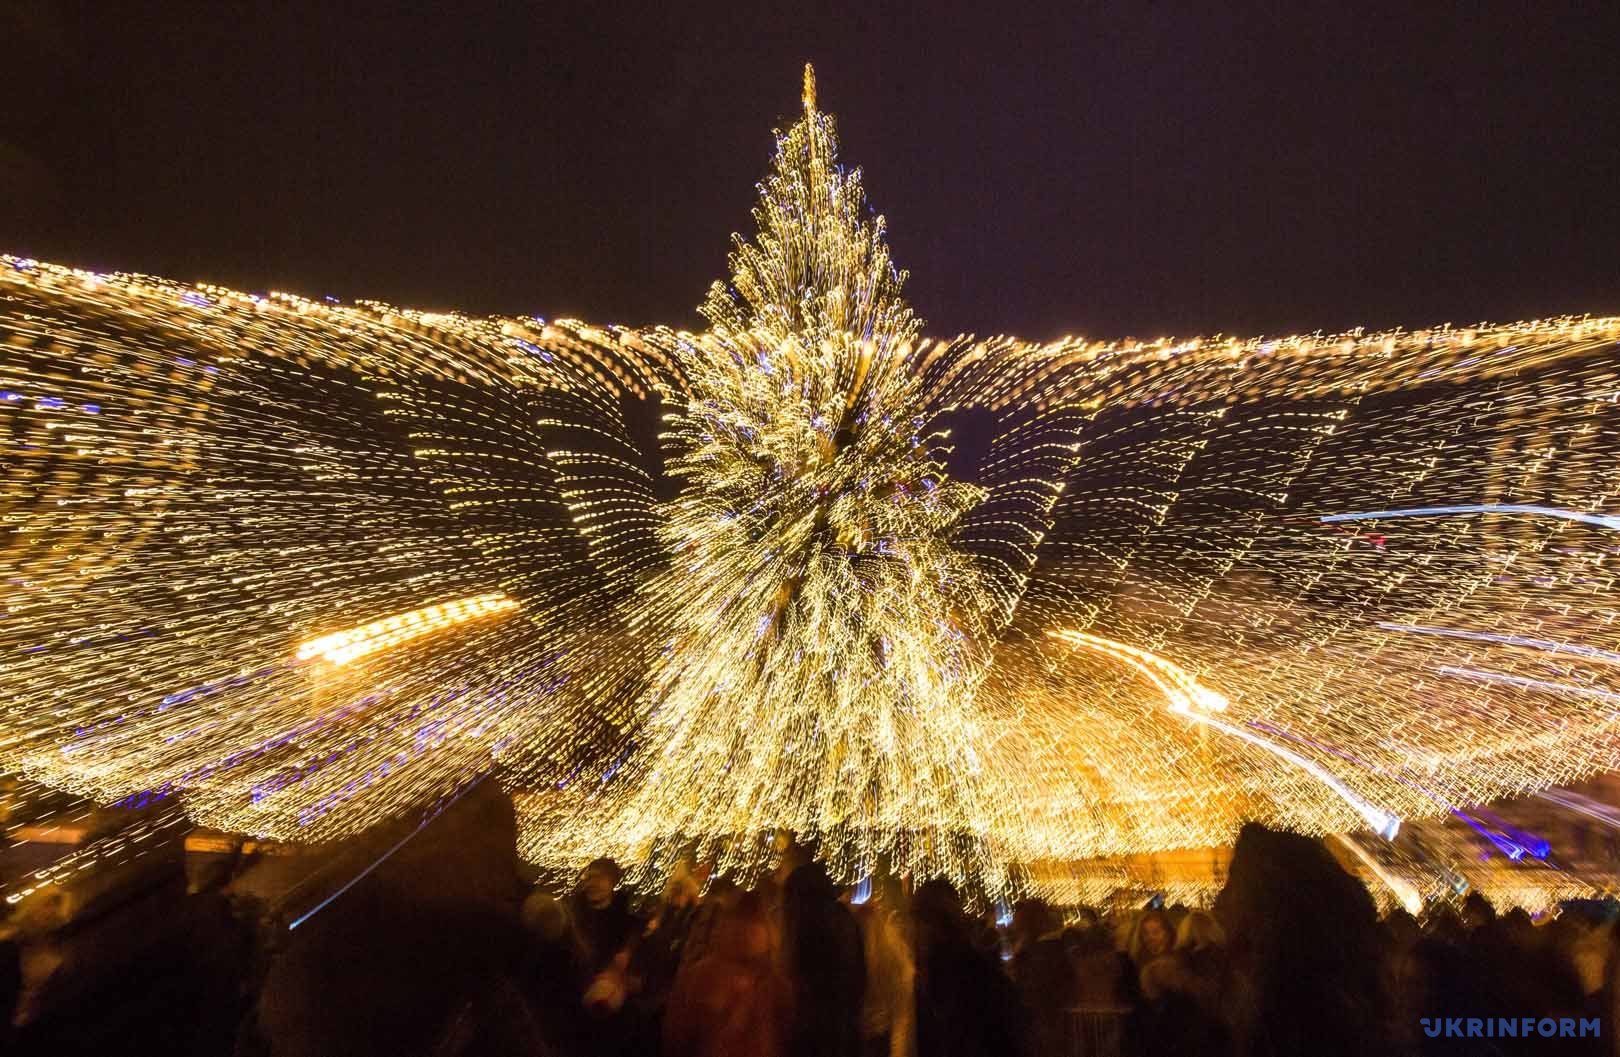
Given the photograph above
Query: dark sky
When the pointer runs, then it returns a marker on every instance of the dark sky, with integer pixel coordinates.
(1133, 168)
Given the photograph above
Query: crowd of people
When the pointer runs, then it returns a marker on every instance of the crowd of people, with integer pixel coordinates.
(1292, 959)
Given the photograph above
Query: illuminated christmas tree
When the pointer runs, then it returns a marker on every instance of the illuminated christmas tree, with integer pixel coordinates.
(298, 567)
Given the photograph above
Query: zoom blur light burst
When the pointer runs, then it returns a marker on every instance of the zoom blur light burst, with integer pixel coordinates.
(963, 606)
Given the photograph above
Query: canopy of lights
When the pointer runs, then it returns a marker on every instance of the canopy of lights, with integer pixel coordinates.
(972, 607)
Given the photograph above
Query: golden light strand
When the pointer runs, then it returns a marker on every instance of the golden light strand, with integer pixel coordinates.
(806, 569)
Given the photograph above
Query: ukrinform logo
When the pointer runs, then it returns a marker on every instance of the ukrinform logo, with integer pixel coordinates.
(1511, 1027)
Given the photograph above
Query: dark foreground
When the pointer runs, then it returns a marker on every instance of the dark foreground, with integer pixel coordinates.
(445, 949)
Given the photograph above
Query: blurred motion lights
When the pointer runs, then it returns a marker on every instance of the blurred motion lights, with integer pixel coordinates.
(941, 606)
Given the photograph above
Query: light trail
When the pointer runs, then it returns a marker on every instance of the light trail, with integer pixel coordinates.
(384, 857)
(1528, 683)
(1189, 698)
(1185, 693)
(1550, 646)
(1608, 521)
(761, 589)
(1407, 895)
(341, 647)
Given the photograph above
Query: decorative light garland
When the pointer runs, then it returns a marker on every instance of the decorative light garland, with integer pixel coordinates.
(893, 594)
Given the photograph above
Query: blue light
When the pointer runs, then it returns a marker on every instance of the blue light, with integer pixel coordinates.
(1608, 521)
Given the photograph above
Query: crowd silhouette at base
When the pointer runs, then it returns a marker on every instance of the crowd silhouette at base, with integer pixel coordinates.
(1291, 960)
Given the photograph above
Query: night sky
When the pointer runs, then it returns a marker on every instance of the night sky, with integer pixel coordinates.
(1124, 169)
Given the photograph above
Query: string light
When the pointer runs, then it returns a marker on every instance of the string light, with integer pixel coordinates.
(914, 600)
